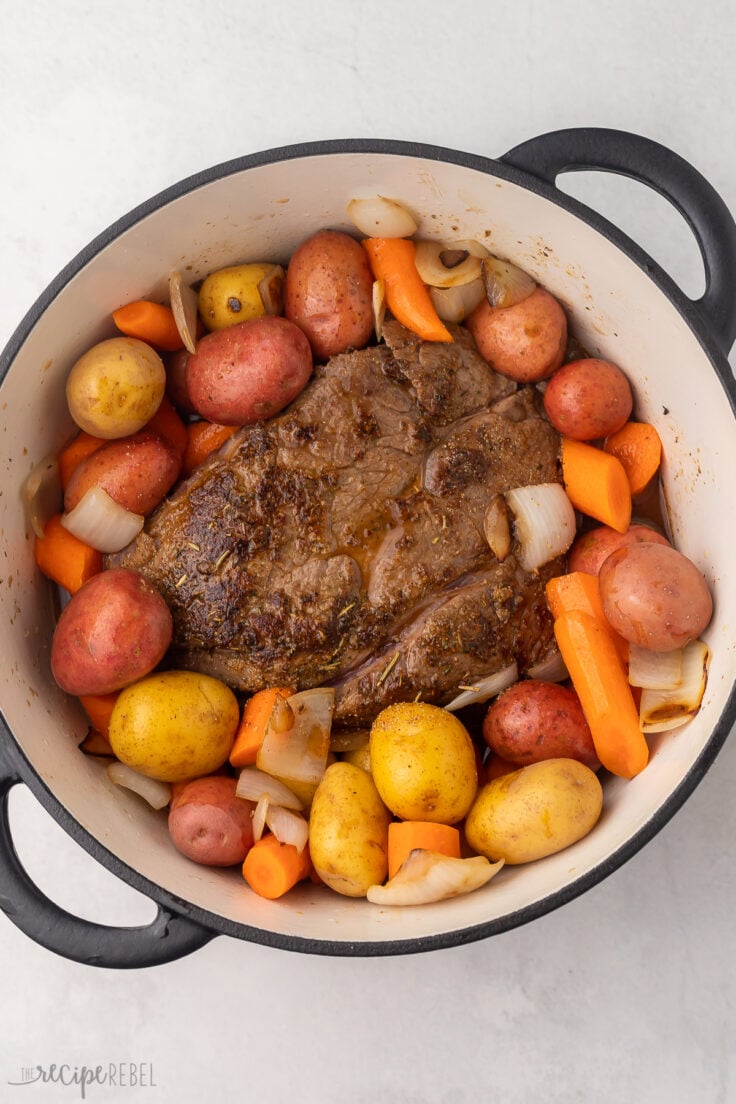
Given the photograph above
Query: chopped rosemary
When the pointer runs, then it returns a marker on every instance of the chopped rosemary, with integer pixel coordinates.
(388, 668)
(221, 560)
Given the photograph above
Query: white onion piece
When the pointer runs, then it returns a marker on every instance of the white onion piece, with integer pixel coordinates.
(453, 304)
(101, 522)
(157, 794)
(470, 245)
(551, 669)
(497, 529)
(253, 784)
(271, 290)
(184, 304)
(300, 753)
(288, 826)
(427, 876)
(379, 217)
(259, 816)
(544, 520)
(661, 710)
(42, 494)
(506, 285)
(429, 265)
(654, 670)
(483, 689)
(379, 307)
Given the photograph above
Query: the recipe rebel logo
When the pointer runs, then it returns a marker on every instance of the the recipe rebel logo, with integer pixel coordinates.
(115, 1075)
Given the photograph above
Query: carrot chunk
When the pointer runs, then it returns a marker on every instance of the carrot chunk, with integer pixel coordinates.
(272, 868)
(64, 558)
(638, 446)
(580, 591)
(252, 728)
(150, 322)
(69, 459)
(98, 708)
(596, 484)
(407, 835)
(600, 682)
(392, 260)
(202, 439)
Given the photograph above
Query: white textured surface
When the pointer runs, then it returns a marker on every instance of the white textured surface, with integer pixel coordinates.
(626, 994)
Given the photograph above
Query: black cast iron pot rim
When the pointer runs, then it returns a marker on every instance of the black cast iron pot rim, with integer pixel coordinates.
(215, 922)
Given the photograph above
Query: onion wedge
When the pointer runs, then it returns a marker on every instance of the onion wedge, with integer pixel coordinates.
(101, 522)
(550, 669)
(41, 493)
(661, 710)
(654, 670)
(378, 303)
(288, 826)
(453, 304)
(157, 794)
(441, 266)
(483, 689)
(545, 523)
(259, 816)
(505, 284)
(497, 529)
(184, 305)
(254, 784)
(427, 876)
(271, 290)
(299, 754)
(379, 217)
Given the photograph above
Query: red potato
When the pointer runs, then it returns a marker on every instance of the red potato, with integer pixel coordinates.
(135, 471)
(113, 631)
(248, 372)
(328, 293)
(587, 399)
(592, 548)
(527, 341)
(535, 720)
(211, 825)
(654, 596)
(176, 381)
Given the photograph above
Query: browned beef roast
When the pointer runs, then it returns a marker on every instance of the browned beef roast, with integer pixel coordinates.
(342, 542)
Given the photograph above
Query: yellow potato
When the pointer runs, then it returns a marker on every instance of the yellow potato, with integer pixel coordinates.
(360, 756)
(231, 295)
(535, 811)
(423, 762)
(174, 725)
(348, 831)
(116, 387)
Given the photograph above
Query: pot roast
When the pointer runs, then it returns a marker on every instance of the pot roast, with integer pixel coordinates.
(342, 542)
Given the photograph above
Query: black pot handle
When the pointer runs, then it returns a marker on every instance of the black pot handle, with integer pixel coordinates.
(166, 938)
(669, 174)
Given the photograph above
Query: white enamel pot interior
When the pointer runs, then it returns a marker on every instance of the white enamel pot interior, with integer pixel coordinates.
(621, 307)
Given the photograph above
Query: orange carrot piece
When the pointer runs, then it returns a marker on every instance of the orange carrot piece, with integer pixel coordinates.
(392, 260)
(98, 708)
(596, 484)
(64, 558)
(600, 682)
(150, 322)
(272, 868)
(639, 448)
(580, 591)
(167, 423)
(83, 445)
(252, 728)
(407, 835)
(202, 439)
(96, 743)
